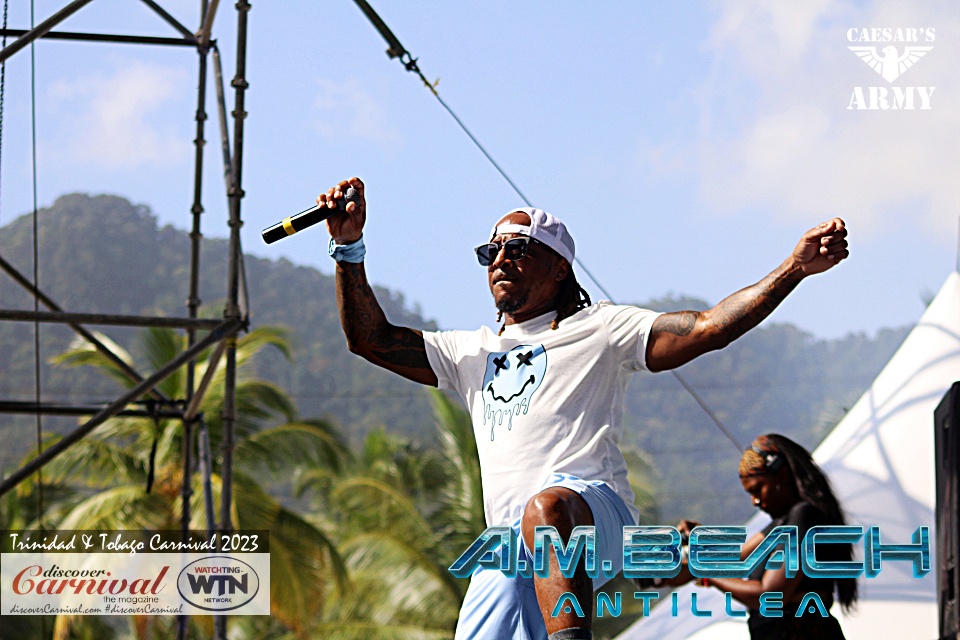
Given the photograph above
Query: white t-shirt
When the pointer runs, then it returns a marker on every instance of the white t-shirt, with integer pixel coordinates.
(545, 401)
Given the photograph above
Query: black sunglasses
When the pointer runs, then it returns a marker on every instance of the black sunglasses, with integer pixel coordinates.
(513, 249)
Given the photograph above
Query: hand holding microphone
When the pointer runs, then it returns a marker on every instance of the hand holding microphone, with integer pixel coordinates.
(343, 228)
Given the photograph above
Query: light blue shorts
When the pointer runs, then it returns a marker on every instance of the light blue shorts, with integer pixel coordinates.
(499, 608)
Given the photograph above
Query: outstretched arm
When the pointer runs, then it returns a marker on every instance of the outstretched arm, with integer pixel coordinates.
(749, 591)
(368, 333)
(677, 338)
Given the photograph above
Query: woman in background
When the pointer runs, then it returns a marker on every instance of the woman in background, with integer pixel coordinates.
(784, 481)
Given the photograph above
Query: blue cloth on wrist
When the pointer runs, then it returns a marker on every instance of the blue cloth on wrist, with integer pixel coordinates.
(353, 252)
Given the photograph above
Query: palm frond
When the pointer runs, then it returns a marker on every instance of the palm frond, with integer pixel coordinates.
(319, 481)
(82, 353)
(410, 576)
(21, 509)
(257, 402)
(305, 566)
(119, 508)
(160, 345)
(309, 443)
(265, 336)
(96, 463)
(641, 474)
(169, 442)
(302, 558)
(252, 344)
(460, 517)
(369, 504)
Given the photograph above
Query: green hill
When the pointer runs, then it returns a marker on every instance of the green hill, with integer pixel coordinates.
(775, 378)
(104, 254)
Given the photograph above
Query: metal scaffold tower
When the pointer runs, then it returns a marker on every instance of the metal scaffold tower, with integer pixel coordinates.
(145, 398)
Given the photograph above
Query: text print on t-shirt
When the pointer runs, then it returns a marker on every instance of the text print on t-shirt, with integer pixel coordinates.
(509, 381)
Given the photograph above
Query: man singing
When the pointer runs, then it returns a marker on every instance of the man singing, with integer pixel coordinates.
(545, 393)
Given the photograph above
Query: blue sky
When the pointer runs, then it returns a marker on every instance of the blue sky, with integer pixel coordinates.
(687, 146)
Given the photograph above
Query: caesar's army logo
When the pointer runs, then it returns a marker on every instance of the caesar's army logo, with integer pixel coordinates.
(891, 52)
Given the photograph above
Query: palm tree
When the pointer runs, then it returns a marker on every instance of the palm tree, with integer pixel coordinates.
(116, 460)
(400, 515)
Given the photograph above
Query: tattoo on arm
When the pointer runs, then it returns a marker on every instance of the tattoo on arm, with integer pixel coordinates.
(404, 347)
(680, 323)
(366, 326)
(742, 311)
(680, 337)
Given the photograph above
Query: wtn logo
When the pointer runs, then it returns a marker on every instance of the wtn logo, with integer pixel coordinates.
(206, 584)
(218, 583)
(890, 64)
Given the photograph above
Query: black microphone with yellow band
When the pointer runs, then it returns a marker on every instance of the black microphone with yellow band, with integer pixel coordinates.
(308, 218)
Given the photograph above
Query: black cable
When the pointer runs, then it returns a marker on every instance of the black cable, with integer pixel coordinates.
(36, 272)
(479, 146)
(707, 410)
(397, 50)
(36, 268)
(3, 75)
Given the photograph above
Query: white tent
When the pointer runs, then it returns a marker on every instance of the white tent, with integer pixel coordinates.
(880, 460)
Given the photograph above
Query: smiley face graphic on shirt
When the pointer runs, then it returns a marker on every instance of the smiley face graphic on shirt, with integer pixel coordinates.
(510, 379)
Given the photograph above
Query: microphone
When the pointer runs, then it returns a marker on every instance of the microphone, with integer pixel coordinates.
(308, 218)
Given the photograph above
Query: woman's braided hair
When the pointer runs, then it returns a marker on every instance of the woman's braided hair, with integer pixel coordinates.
(813, 487)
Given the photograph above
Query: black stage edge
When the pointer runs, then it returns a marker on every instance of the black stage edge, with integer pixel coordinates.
(947, 446)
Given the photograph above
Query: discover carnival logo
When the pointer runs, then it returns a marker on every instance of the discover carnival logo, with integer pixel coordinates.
(891, 52)
(134, 573)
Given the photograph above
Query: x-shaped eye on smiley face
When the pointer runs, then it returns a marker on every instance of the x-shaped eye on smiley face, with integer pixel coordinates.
(522, 358)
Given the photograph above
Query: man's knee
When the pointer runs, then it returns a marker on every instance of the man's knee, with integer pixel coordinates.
(556, 507)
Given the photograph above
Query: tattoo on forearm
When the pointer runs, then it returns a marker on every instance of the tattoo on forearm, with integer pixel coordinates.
(680, 323)
(744, 310)
(365, 324)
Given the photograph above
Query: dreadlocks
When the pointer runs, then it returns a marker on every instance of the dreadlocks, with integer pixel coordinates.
(570, 299)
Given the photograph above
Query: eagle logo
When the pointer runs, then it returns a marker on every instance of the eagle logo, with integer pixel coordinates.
(509, 381)
(889, 63)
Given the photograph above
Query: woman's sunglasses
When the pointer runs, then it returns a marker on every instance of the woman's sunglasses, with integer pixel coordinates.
(513, 249)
